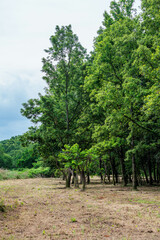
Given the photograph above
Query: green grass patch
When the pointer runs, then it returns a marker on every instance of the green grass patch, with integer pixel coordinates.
(13, 174)
(145, 201)
(24, 173)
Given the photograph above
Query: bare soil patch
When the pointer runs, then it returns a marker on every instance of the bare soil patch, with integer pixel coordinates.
(44, 209)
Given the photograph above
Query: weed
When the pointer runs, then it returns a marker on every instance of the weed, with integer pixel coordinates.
(82, 229)
(89, 206)
(35, 213)
(73, 220)
(139, 215)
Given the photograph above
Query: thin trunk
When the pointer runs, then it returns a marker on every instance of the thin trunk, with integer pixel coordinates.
(73, 180)
(134, 177)
(83, 180)
(68, 179)
(100, 165)
(112, 167)
(88, 178)
(109, 178)
(154, 172)
(130, 178)
(124, 175)
(76, 184)
(108, 175)
(80, 177)
(116, 174)
(104, 177)
(134, 182)
(145, 173)
(150, 169)
(73, 176)
(158, 175)
(64, 177)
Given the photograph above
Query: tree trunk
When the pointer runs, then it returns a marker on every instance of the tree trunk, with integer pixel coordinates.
(134, 177)
(105, 174)
(88, 178)
(68, 179)
(145, 173)
(108, 174)
(76, 184)
(80, 177)
(154, 172)
(134, 181)
(64, 177)
(158, 175)
(113, 169)
(83, 180)
(100, 165)
(124, 175)
(150, 169)
(73, 176)
(116, 174)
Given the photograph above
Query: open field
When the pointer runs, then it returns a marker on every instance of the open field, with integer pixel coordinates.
(44, 209)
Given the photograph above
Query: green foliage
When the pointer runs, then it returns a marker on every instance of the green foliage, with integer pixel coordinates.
(73, 220)
(58, 110)
(14, 156)
(73, 157)
(39, 172)
(108, 103)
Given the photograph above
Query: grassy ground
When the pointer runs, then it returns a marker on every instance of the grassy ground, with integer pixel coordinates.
(44, 209)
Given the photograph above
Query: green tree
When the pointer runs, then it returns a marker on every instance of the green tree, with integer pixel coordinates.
(57, 111)
(114, 80)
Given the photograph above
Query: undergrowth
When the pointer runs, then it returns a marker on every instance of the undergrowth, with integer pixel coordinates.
(24, 173)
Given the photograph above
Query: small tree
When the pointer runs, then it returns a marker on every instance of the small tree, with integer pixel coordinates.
(72, 158)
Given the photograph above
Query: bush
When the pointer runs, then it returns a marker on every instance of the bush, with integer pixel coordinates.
(39, 172)
(25, 173)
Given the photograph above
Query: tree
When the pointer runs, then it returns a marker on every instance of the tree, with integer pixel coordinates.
(57, 111)
(113, 80)
(80, 161)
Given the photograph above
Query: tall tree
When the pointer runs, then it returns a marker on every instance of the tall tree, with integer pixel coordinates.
(57, 111)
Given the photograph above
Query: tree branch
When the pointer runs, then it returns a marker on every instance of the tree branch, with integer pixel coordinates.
(147, 129)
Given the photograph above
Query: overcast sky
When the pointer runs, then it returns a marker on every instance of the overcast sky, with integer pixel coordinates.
(25, 29)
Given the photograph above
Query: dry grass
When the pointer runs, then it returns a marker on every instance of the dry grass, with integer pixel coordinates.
(44, 209)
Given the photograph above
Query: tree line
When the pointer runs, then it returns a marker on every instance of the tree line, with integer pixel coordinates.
(100, 111)
(13, 155)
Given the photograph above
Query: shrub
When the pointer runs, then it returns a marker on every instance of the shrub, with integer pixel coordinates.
(39, 172)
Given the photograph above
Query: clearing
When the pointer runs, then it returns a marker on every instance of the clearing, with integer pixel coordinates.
(42, 208)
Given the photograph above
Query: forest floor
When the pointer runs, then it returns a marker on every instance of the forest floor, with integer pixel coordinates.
(43, 209)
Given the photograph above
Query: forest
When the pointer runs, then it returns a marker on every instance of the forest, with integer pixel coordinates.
(100, 111)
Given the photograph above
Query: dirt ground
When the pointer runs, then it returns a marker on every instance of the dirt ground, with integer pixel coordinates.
(43, 209)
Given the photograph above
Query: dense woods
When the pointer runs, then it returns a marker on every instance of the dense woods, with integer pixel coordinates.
(100, 111)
